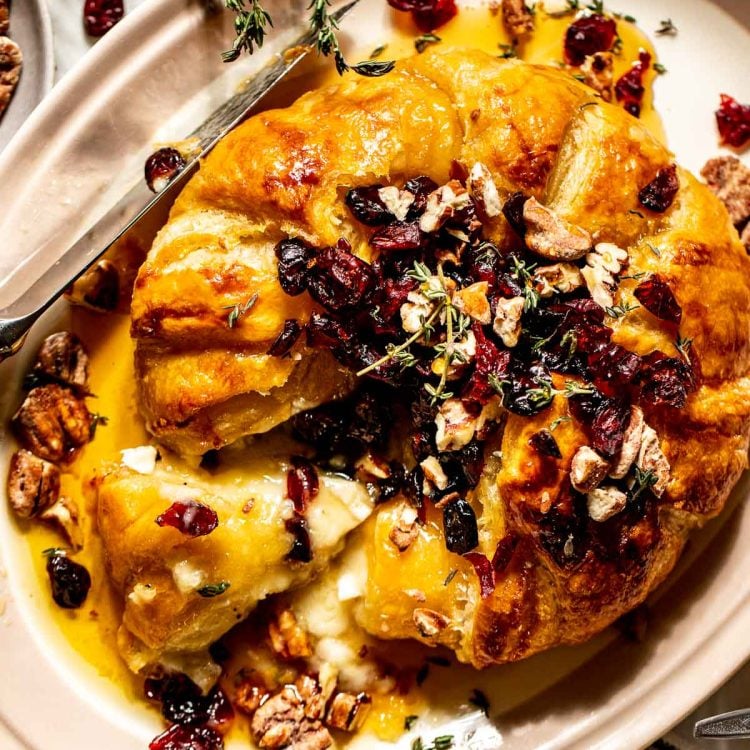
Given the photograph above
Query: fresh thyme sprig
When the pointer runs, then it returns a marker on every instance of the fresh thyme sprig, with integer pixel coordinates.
(683, 346)
(250, 26)
(643, 481)
(239, 309)
(425, 40)
(666, 28)
(523, 275)
(621, 310)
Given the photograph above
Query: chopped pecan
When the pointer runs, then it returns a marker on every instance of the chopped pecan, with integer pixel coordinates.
(398, 202)
(484, 190)
(250, 692)
(53, 423)
(98, 288)
(631, 444)
(551, 236)
(370, 467)
(598, 72)
(64, 518)
(405, 529)
(63, 358)
(287, 637)
(559, 278)
(651, 458)
(507, 323)
(442, 204)
(455, 425)
(428, 622)
(729, 178)
(434, 473)
(291, 719)
(599, 272)
(11, 61)
(347, 712)
(587, 469)
(415, 311)
(517, 18)
(33, 484)
(605, 502)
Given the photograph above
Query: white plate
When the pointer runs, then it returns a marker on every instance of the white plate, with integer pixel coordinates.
(157, 71)
(30, 27)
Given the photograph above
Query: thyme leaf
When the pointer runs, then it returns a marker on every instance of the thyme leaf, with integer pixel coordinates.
(239, 309)
(425, 40)
(666, 28)
(249, 26)
(213, 589)
(480, 700)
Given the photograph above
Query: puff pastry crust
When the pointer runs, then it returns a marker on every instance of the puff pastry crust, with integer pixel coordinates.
(282, 174)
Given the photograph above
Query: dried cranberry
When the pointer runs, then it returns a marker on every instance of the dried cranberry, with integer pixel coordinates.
(490, 362)
(301, 483)
(399, 235)
(99, 16)
(161, 167)
(420, 187)
(323, 330)
(562, 530)
(657, 297)
(733, 121)
(187, 738)
(661, 191)
(460, 525)
(182, 701)
(325, 428)
(587, 35)
(483, 263)
(665, 381)
(189, 517)
(367, 207)
(513, 212)
(340, 280)
(485, 573)
(370, 420)
(629, 88)
(393, 483)
(434, 14)
(393, 294)
(286, 339)
(504, 552)
(544, 443)
(612, 366)
(608, 428)
(301, 550)
(528, 390)
(296, 258)
(69, 580)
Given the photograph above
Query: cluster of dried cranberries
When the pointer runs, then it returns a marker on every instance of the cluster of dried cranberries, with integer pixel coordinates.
(453, 332)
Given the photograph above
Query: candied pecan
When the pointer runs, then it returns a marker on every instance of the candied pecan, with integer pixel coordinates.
(33, 484)
(405, 528)
(601, 267)
(605, 502)
(651, 458)
(63, 516)
(62, 358)
(598, 73)
(290, 719)
(250, 693)
(53, 423)
(550, 236)
(559, 278)
(443, 204)
(347, 711)
(397, 201)
(287, 637)
(11, 61)
(507, 323)
(517, 18)
(428, 622)
(98, 288)
(587, 469)
(729, 178)
(484, 190)
(659, 194)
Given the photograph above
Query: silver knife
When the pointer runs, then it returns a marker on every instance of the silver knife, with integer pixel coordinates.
(139, 205)
(734, 725)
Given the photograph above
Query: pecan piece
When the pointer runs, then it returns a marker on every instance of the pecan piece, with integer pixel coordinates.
(550, 236)
(98, 288)
(287, 637)
(11, 60)
(587, 469)
(517, 18)
(428, 622)
(405, 529)
(63, 358)
(598, 72)
(291, 719)
(33, 484)
(53, 423)
(729, 179)
(347, 712)
(507, 323)
(651, 458)
(64, 518)
(605, 502)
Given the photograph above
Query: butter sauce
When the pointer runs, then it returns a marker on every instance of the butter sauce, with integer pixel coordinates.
(92, 630)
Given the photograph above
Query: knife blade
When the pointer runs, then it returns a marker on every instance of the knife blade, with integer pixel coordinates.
(139, 207)
(734, 725)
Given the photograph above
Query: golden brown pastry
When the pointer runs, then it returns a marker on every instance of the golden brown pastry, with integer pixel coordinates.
(556, 564)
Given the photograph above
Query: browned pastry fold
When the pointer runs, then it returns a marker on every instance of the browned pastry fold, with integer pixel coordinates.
(283, 173)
